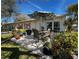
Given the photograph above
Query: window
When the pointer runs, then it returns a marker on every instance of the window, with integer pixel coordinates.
(49, 25)
(56, 26)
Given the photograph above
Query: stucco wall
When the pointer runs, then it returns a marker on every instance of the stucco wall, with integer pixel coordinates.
(37, 24)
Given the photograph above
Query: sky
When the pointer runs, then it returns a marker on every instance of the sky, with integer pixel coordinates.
(56, 6)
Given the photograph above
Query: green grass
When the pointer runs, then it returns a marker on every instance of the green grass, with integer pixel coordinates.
(6, 36)
(6, 54)
(26, 57)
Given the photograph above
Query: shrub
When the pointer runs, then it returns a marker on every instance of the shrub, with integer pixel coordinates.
(64, 44)
(22, 30)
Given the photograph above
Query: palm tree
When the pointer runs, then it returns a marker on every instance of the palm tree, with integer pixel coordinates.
(72, 12)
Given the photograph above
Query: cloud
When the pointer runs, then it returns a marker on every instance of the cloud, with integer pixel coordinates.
(35, 5)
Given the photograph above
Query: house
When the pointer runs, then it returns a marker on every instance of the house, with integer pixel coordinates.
(39, 20)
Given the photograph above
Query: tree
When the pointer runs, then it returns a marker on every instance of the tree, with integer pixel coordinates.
(73, 10)
(8, 7)
(7, 10)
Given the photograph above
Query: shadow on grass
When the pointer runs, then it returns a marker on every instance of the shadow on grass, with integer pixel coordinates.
(16, 53)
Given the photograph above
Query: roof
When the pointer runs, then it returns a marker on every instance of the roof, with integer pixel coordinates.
(44, 11)
(29, 17)
(20, 22)
(25, 16)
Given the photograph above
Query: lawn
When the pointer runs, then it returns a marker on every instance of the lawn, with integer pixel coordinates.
(6, 36)
(6, 54)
